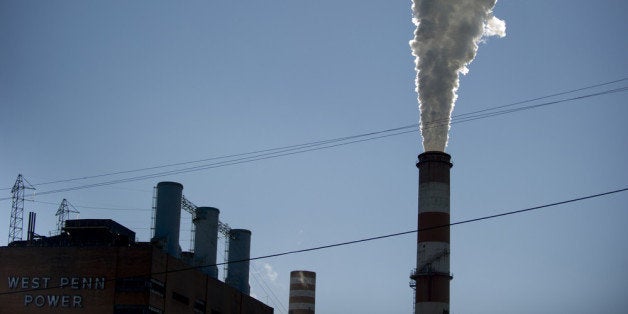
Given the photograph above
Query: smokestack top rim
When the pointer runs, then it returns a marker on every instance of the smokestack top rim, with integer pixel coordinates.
(305, 272)
(166, 183)
(208, 208)
(434, 152)
(434, 156)
(240, 231)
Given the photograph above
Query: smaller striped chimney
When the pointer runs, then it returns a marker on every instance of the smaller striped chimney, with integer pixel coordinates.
(302, 292)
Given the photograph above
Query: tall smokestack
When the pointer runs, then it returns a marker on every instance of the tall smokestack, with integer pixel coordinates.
(445, 42)
(239, 255)
(206, 239)
(302, 292)
(168, 217)
(432, 275)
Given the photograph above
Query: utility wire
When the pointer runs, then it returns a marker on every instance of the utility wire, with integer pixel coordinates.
(256, 276)
(339, 244)
(303, 148)
(545, 97)
(487, 114)
(94, 207)
(269, 150)
(214, 165)
(463, 117)
(296, 149)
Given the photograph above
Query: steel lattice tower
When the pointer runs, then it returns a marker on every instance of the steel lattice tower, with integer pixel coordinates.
(16, 223)
(64, 214)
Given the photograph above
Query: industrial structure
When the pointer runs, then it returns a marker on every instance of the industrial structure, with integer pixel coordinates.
(96, 265)
(430, 279)
(16, 222)
(238, 260)
(168, 217)
(205, 248)
(302, 292)
(65, 208)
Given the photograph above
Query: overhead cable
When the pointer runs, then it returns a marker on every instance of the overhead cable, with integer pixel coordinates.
(339, 244)
(463, 117)
(326, 144)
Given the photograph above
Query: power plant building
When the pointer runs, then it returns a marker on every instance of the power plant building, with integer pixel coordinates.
(96, 266)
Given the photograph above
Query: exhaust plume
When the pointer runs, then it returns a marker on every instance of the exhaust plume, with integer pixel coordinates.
(445, 42)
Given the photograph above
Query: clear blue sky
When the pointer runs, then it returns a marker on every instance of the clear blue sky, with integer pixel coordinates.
(94, 87)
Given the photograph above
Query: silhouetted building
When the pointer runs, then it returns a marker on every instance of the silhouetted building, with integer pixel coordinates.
(95, 266)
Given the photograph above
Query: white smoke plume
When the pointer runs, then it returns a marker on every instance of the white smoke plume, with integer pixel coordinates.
(270, 272)
(445, 42)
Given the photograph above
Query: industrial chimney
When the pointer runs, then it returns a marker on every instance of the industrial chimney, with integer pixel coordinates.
(238, 259)
(431, 276)
(206, 239)
(302, 292)
(32, 217)
(168, 217)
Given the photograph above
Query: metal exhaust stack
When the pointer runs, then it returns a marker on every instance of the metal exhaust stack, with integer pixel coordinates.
(32, 217)
(239, 255)
(168, 217)
(302, 292)
(206, 239)
(431, 276)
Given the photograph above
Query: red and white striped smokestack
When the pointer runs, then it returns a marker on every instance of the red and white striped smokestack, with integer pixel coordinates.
(432, 275)
(302, 292)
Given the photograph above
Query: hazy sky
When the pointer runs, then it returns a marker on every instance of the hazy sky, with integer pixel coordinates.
(95, 87)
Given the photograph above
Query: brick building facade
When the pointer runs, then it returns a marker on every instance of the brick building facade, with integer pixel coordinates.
(103, 270)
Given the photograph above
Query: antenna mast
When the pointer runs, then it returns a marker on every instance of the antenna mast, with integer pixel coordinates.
(16, 223)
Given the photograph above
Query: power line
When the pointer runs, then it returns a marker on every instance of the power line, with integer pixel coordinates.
(501, 112)
(491, 112)
(269, 150)
(483, 113)
(326, 144)
(441, 226)
(268, 153)
(546, 97)
(300, 149)
(216, 165)
(95, 207)
(256, 274)
(339, 244)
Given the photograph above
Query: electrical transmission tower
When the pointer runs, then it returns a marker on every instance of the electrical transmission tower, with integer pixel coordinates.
(64, 214)
(16, 223)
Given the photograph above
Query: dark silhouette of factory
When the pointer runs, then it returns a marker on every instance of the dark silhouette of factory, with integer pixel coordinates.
(96, 266)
